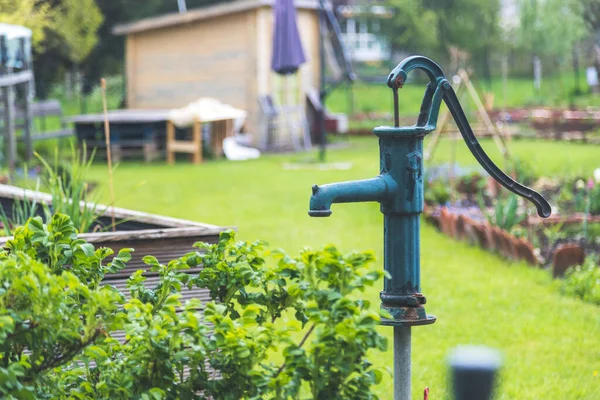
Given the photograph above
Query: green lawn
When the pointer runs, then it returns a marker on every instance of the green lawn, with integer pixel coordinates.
(551, 343)
(555, 91)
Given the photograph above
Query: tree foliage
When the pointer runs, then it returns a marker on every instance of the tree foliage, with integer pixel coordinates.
(550, 28)
(77, 22)
(33, 14)
(413, 26)
(436, 27)
(591, 15)
(59, 329)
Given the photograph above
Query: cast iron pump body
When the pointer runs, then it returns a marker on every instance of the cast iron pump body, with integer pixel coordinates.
(399, 190)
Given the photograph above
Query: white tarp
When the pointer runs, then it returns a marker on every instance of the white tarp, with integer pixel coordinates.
(207, 109)
(234, 152)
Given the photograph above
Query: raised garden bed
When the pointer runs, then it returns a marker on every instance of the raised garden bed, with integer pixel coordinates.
(149, 234)
(476, 211)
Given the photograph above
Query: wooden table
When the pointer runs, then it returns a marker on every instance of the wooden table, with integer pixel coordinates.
(221, 128)
(134, 131)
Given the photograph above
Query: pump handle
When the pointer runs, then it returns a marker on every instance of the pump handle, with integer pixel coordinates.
(430, 108)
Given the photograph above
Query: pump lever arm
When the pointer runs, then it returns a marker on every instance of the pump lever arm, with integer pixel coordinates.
(542, 205)
(438, 89)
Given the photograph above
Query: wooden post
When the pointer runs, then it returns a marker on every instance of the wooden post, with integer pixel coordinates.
(218, 127)
(443, 124)
(170, 141)
(483, 115)
(28, 122)
(27, 86)
(197, 139)
(108, 153)
(9, 124)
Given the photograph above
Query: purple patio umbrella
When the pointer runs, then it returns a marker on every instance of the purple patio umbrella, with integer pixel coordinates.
(288, 53)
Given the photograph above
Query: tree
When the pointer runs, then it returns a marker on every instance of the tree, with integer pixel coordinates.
(33, 14)
(434, 27)
(413, 27)
(550, 28)
(77, 22)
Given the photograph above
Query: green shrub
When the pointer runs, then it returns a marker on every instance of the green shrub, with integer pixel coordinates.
(583, 281)
(263, 303)
(51, 304)
(595, 200)
(437, 192)
(506, 215)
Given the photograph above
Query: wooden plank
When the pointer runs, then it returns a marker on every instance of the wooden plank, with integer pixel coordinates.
(170, 139)
(149, 234)
(120, 213)
(141, 235)
(483, 115)
(9, 123)
(27, 128)
(123, 116)
(12, 79)
(130, 68)
(197, 142)
(180, 146)
(27, 94)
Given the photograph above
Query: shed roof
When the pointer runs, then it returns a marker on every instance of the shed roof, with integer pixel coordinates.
(163, 21)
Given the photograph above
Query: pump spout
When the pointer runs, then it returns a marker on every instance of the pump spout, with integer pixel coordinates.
(381, 189)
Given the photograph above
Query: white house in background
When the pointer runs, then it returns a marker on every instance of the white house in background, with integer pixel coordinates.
(509, 15)
(361, 30)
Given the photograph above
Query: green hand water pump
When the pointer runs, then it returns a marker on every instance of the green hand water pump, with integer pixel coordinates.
(399, 190)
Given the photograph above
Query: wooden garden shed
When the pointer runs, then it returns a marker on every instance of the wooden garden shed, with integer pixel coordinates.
(222, 51)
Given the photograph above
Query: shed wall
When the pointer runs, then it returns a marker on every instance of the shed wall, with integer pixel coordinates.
(226, 57)
(170, 67)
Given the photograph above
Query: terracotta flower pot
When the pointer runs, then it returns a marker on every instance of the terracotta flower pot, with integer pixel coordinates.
(460, 228)
(497, 239)
(526, 252)
(566, 256)
(446, 222)
(470, 231)
(480, 233)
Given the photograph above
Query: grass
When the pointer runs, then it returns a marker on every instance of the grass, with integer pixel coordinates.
(555, 91)
(551, 343)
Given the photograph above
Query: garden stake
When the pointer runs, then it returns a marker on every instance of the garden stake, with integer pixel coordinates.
(399, 190)
(108, 153)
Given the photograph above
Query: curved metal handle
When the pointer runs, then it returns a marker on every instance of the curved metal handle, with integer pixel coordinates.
(429, 113)
(543, 207)
(398, 75)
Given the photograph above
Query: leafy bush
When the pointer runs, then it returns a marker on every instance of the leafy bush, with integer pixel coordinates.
(506, 215)
(52, 306)
(583, 281)
(523, 171)
(275, 329)
(437, 192)
(69, 188)
(71, 194)
(471, 183)
(595, 200)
